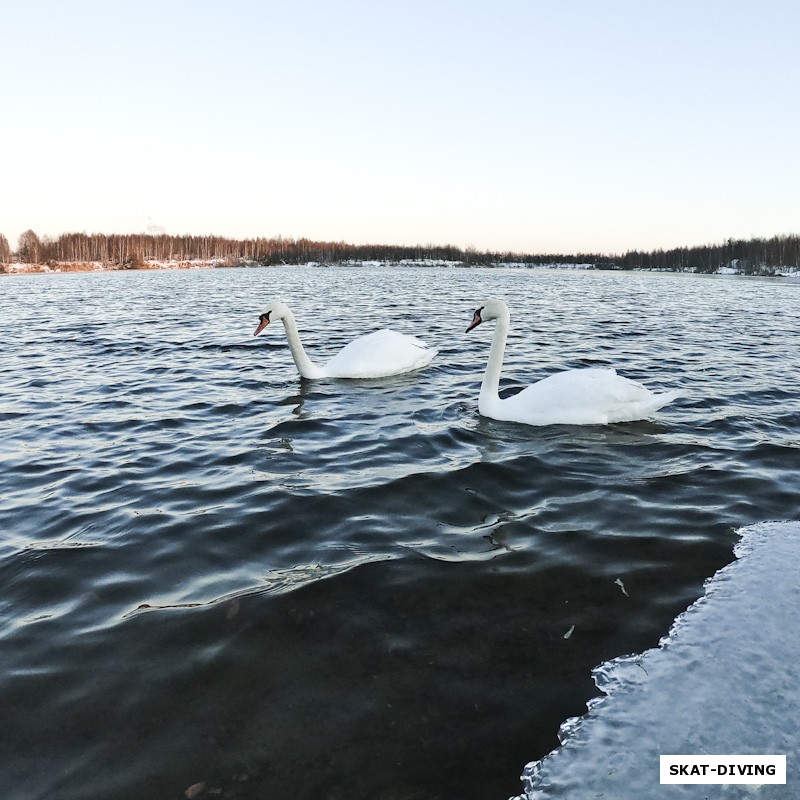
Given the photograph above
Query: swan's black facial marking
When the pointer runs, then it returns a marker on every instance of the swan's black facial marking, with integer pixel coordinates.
(263, 321)
(476, 320)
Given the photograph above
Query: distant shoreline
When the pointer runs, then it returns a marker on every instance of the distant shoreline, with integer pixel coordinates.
(21, 268)
(82, 252)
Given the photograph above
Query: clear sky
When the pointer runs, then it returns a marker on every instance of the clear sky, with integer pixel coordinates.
(552, 126)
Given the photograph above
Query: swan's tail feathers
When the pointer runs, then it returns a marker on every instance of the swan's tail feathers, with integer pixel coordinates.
(427, 356)
(643, 409)
(660, 400)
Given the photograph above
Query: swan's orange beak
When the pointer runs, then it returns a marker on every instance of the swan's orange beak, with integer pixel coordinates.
(261, 325)
(476, 320)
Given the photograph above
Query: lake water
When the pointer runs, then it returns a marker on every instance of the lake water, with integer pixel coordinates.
(214, 572)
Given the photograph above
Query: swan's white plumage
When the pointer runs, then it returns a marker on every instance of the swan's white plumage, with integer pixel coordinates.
(373, 355)
(574, 397)
(379, 354)
(578, 397)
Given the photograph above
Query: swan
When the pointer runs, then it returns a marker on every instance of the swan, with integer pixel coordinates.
(374, 355)
(574, 397)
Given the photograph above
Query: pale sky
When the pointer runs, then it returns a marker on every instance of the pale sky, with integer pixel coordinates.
(553, 126)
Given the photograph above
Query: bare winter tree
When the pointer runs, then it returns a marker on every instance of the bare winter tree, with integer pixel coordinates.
(29, 249)
(5, 250)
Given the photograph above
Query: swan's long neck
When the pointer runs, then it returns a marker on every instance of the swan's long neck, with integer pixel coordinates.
(305, 366)
(490, 386)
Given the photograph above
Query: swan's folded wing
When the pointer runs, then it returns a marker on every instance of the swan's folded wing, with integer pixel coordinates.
(584, 397)
(379, 354)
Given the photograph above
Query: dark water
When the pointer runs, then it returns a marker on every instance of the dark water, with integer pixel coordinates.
(213, 572)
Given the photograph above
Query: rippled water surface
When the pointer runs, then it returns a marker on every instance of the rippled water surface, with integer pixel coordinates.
(214, 572)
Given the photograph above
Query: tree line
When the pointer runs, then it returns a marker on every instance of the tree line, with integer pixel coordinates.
(750, 256)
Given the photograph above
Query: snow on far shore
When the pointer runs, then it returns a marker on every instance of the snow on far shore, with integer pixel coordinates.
(99, 266)
(16, 267)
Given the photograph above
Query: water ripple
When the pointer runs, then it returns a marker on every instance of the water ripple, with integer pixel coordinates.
(214, 571)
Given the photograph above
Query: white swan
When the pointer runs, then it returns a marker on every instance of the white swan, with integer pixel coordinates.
(374, 355)
(574, 397)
